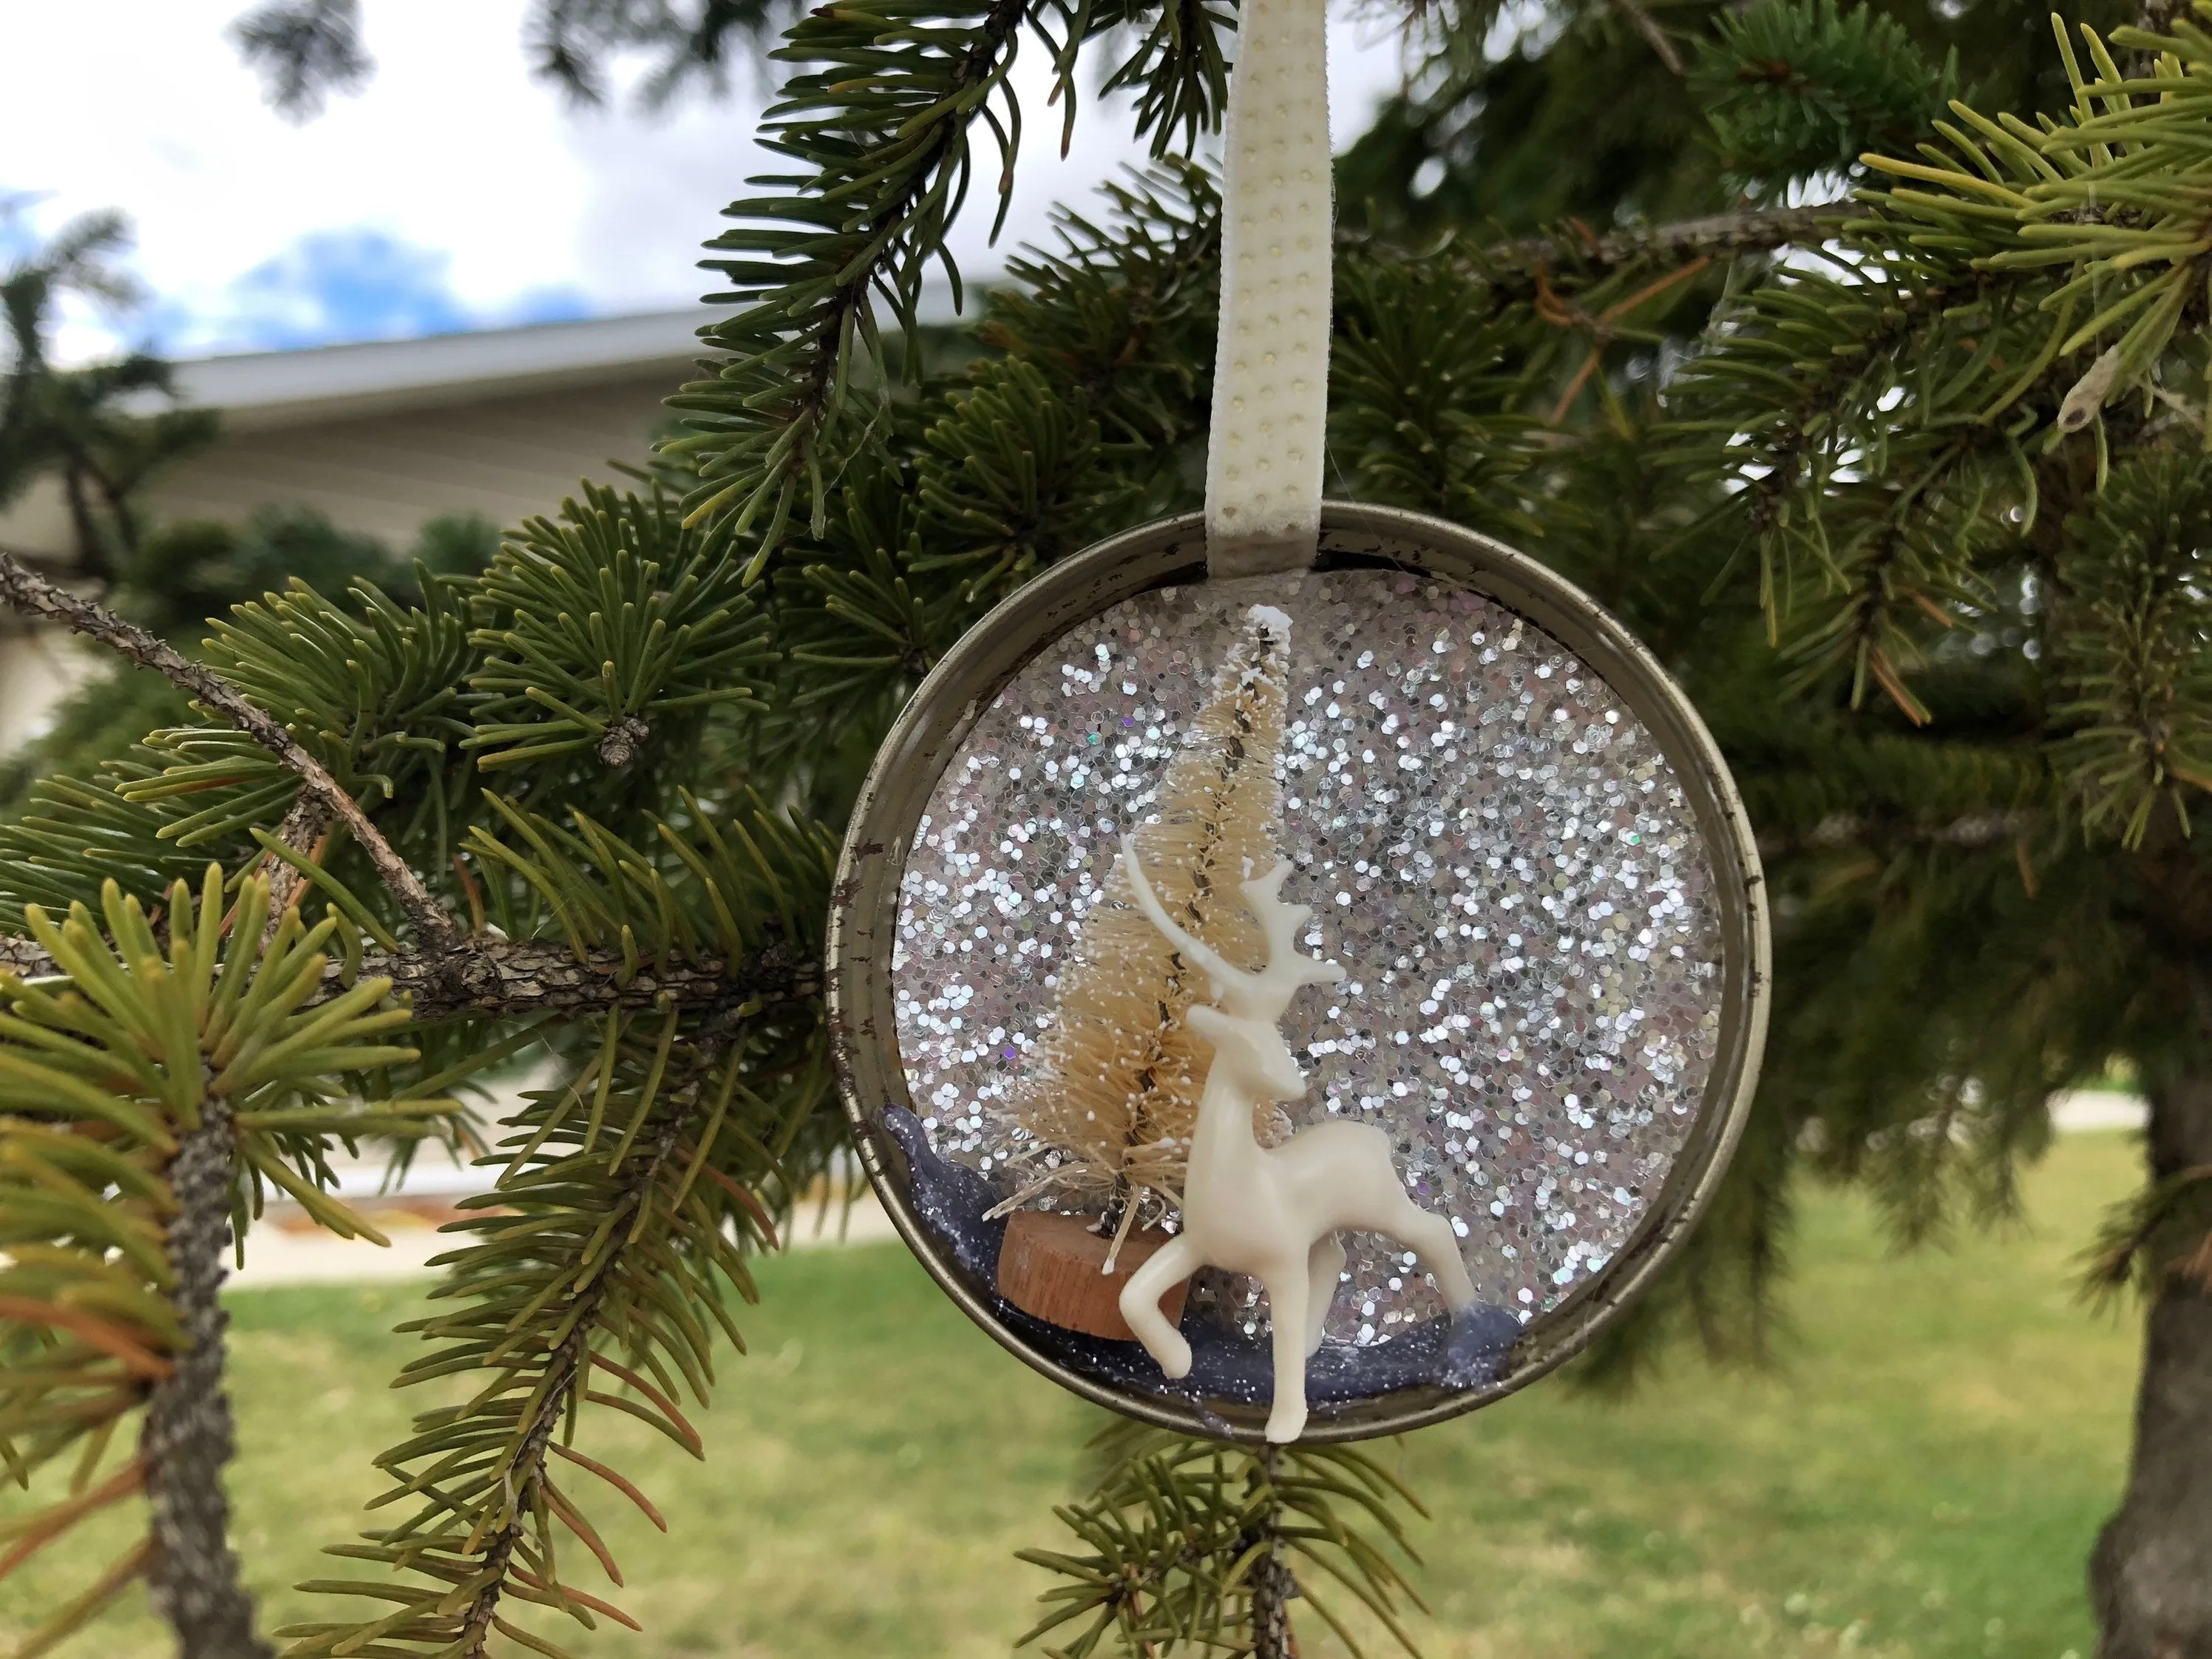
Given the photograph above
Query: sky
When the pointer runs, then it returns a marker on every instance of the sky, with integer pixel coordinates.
(455, 192)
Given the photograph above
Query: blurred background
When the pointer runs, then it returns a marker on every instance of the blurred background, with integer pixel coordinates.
(383, 324)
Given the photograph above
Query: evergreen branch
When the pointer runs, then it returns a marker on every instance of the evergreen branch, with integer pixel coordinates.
(1647, 26)
(2166, 1229)
(302, 830)
(886, 133)
(1190, 1543)
(2128, 633)
(523, 978)
(192, 1577)
(619, 1225)
(1794, 89)
(614, 629)
(1576, 248)
(562, 1382)
(139, 1112)
(304, 49)
(34, 595)
(1275, 1586)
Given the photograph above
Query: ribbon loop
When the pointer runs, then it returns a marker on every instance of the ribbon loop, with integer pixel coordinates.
(1263, 464)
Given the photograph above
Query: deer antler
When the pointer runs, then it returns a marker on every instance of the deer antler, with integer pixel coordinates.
(1287, 967)
(1263, 995)
(1225, 978)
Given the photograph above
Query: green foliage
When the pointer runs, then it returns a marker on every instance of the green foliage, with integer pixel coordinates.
(616, 615)
(79, 427)
(74, 837)
(2165, 1232)
(1573, 111)
(1180, 1532)
(885, 137)
(193, 570)
(372, 698)
(306, 49)
(1794, 89)
(1431, 395)
(626, 1199)
(98, 1081)
(2138, 690)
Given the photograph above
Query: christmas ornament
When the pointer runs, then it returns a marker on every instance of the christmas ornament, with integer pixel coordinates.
(1295, 970)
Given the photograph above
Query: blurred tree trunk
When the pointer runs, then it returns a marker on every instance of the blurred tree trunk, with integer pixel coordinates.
(2151, 1576)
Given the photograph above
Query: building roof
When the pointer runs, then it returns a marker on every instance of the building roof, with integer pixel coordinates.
(261, 390)
(381, 436)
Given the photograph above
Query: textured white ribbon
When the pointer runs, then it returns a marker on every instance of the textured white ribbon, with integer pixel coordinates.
(1263, 463)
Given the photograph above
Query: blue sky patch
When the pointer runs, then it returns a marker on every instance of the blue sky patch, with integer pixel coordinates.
(339, 288)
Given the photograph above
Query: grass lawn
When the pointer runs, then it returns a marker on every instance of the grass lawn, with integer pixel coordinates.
(1923, 1477)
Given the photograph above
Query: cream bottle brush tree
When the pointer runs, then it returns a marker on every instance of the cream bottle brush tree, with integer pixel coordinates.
(1112, 1100)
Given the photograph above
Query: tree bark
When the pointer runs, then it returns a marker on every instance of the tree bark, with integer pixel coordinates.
(2151, 1575)
(187, 1441)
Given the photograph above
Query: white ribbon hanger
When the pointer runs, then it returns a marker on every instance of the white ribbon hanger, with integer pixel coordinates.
(1263, 463)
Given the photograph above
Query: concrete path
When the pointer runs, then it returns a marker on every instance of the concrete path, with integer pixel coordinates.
(286, 1247)
(2085, 1110)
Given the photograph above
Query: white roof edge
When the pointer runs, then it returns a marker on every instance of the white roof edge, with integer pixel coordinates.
(264, 389)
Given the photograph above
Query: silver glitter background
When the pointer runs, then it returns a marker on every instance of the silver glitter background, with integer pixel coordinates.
(1495, 849)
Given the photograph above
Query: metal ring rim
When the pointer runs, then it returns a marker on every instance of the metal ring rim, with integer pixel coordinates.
(1170, 552)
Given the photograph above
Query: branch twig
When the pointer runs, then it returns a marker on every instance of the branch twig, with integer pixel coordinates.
(1654, 37)
(533, 977)
(29, 592)
(1274, 1583)
(1579, 248)
(192, 1574)
(567, 1368)
(302, 830)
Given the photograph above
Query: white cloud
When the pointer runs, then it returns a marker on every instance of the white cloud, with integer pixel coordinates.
(453, 162)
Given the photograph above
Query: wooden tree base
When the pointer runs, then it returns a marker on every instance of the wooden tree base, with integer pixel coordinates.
(1050, 1267)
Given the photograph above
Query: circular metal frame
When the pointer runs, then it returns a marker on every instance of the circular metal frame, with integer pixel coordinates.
(929, 732)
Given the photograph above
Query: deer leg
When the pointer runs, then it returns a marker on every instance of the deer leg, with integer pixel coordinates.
(1140, 1304)
(1287, 1309)
(1431, 1237)
(1324, 1263)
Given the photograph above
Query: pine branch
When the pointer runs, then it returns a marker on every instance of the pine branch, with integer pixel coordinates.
(564, 1380)
(192, 1577)
(1797, 87)
(1576, 248)
(886, 133)
(1273, 1585)
(140, 1113)
(1190, 1544)
(34, 595)
(303, 830)
(1654, 37)
(525, 978)
(304, 49)
(611, 1244)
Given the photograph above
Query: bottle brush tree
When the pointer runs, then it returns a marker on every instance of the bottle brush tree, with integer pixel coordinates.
(1112, 1099)
(1918, 513)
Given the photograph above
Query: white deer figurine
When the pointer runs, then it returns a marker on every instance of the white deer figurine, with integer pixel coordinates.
(1273, 1212)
